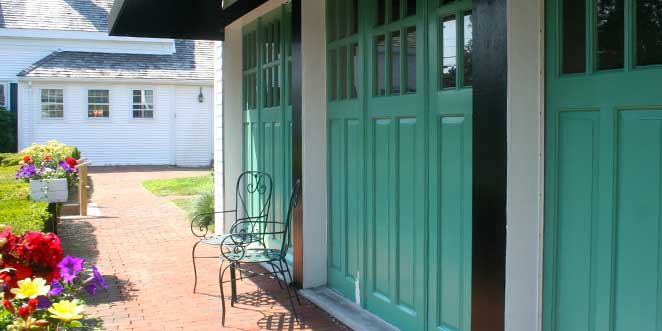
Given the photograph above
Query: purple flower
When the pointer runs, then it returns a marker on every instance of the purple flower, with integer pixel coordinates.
(44, 302)
(56, 288)
(64, 166)
(90, 285)
(26, 171)
(91, 288)
(70, 267)
(98, 278)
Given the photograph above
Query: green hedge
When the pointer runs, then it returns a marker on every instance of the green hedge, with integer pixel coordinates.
(7, 131)
(16, 209)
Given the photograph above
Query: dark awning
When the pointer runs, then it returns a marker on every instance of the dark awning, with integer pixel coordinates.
(179, 19)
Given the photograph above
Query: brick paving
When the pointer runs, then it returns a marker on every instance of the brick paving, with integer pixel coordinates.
(142, 245)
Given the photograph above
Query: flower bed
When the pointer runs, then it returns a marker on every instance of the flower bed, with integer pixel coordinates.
(45, 161)
(41, 289)
(16, 209)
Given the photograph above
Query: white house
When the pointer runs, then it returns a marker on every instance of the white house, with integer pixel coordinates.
(121, 100)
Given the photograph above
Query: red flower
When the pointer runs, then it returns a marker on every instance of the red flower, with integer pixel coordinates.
(24, 312)
(48, 158)
(9, 306)
(32, 305)
(71, 162)
(27, 159)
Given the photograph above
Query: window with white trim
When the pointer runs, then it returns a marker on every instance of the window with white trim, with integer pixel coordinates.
(143, 103)
(98, 103)
(52, 103)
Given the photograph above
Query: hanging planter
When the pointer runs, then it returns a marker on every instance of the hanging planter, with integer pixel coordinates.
(49, 190)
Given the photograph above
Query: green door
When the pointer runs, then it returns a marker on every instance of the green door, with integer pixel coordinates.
(603, 232)
(399, 132)
(267, 114)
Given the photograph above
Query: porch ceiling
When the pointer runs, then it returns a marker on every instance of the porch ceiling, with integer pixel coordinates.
(199, 19)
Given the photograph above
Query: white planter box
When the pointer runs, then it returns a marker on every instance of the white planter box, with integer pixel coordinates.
(49, 190)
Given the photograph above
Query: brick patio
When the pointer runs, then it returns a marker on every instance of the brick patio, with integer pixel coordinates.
(142, 244)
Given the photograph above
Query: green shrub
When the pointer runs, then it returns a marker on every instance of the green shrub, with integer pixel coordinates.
(202, 204)
(11, 160)
(16, 209)
(7, 131)
(54, 149)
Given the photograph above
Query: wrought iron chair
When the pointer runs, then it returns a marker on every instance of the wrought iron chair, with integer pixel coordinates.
(245, 245)
(253, 202)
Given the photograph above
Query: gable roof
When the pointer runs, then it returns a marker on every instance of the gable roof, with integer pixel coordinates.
(68, 15)
(193, 60)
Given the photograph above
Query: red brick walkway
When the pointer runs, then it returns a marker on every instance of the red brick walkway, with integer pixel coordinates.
(142, 244)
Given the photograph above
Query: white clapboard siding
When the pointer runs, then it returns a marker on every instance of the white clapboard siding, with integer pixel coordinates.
(17, 54)
(193, 124)
(118, 140)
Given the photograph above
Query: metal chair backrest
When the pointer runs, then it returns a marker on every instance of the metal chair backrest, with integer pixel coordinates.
(253, 197)
(249, 231)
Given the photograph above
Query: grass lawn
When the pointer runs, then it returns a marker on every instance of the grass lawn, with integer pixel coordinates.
(185, 204)
(179, 186)
(189, 191)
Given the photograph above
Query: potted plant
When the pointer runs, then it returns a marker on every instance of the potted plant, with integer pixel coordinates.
(49, 178)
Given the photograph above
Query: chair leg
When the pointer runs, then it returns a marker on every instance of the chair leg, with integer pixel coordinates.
(233, 284)
(289, 295)
(195, 270)
(296, 293)
(221, 273)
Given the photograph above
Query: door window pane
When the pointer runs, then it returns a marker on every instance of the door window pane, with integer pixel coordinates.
(411, 59)
(610, 29)
(449, 51)
(354, 74)
(342, 18)
(649, 32)
(574, 36)
(354, 28)
(380, 64)
(331, 23)
(395, 10)
(395, 62)
(333, 72)
(468, 48)
(381, 12)
(343, 72)
(411, 7)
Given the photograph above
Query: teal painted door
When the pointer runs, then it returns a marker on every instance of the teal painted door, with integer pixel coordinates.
(399, 132)
(267, 114)
(603, 232)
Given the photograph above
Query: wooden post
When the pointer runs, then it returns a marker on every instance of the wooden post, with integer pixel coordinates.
(82, 189)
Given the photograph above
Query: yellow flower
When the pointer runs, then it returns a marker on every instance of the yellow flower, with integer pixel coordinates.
(31, 288)
(66, 310)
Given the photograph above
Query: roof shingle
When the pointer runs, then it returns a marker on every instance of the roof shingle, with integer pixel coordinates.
(193, 60)
(68, 15)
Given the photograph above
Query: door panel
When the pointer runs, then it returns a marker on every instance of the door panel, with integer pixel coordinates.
(400, 160)
(267, 111)
(638, 239)
(602, 218)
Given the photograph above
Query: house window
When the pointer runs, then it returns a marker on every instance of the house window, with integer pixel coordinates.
(98, 103)
(143, 104)
(52, 103)
(3, 96)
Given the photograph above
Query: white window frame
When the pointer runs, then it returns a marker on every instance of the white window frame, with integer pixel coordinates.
(142, 103)
(41, 103)
(98, 118)
(6, 86)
